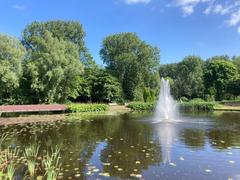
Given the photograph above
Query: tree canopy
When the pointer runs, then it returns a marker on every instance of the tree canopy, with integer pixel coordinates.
(11, 55)
(131, 60)
(53, 69)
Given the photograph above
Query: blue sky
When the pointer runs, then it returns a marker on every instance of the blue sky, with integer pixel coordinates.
(177, 27)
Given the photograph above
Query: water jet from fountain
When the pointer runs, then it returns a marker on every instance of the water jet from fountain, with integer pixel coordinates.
(166, 108)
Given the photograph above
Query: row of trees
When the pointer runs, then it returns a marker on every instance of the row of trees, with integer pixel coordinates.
(51, 64)
(216, 78)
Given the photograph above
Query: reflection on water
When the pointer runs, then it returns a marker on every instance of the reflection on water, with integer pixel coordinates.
(166, 133)
(202, 146)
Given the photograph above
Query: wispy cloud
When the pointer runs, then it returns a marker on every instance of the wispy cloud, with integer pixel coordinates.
(137, 1)
(228, 8)
(19, 7)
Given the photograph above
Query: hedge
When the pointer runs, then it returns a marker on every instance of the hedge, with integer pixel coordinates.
(76, 108)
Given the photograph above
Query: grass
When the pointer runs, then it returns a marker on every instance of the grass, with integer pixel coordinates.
(220, 107)
(78, 108)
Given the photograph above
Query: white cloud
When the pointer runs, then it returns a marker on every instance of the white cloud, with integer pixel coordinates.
(19, 7)
(219, 9)
(137, 1)
(228, 8)
(234, 19)
(187, 10)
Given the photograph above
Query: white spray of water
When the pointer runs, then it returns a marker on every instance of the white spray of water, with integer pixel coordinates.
(166, 109)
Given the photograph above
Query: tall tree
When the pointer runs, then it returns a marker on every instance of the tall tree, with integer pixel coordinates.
(189, 80)
(218, 73)
(131, 60)
(66, 30)
(11, 55)
(53, 69)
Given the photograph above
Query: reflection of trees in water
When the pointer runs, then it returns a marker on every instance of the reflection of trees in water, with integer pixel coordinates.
(77, 140)
(193, 138)
(130, 150)
(226, 130)
(223, 132)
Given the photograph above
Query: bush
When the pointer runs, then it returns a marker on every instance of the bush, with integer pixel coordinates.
(197, 106)
(184, 99)
(197, 100)
(75, 108)
(140, 106)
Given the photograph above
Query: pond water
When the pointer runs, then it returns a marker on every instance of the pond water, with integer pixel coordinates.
(201, 146)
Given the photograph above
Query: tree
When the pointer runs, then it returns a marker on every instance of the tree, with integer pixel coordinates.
(189, 80)
(105, 88)
(168, 70)
(71, 31)
(186, 76)
(131, 60)
(53, 69)
(236, 61)
(97, 85)
(233, 86)
(218, 73)
(11, 55)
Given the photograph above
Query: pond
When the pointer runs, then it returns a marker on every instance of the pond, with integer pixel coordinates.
(201, 146)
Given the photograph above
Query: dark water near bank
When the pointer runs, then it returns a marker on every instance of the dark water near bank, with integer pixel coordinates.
(201, 146)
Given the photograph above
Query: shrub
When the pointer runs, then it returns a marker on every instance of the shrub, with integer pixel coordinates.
(197, 106)
(140, 106)
(75, 108)
(184, 99)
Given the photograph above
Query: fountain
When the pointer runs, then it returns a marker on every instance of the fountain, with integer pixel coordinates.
(166, 109)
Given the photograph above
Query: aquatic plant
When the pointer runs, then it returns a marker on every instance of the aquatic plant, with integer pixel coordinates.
(31, 154)
(52, 164)
(2, 138)
(10, 171)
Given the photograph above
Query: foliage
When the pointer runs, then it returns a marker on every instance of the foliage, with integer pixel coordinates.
(31, 154)
(52, 70)
(71, 31)
(11, 55)
(97, 85)
(131, 60)
(76, 108)
(52, 164)
(148, 95)
(218, 73)
(233, 86)
(140, 106)
(197, 105)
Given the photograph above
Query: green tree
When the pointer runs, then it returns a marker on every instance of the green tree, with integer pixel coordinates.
(66, 30)
(168, 70)
(131, 60)
(218, 73)
(11, 55)
(233, 86)
(189, 79)
(105, 88)
(236, 61)
(53, 70)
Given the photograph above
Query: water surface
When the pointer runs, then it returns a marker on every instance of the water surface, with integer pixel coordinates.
(202, 146)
